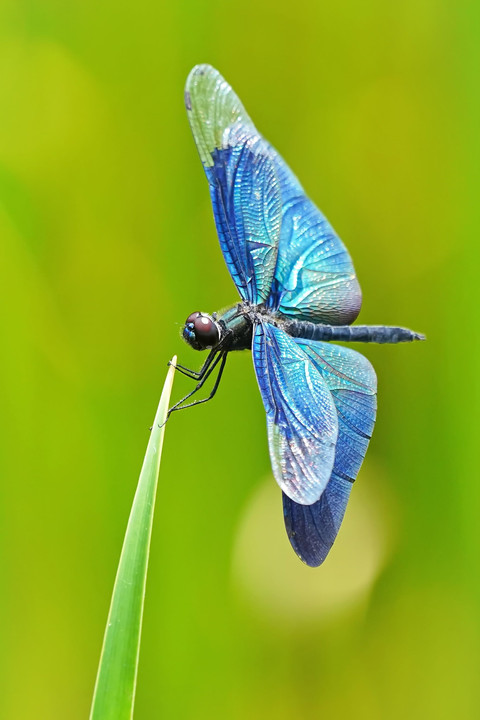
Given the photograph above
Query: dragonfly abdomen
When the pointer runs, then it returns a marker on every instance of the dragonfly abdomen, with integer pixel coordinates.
(351, 333)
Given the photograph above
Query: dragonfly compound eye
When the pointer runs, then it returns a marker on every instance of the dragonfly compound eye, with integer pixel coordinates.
(200, 331)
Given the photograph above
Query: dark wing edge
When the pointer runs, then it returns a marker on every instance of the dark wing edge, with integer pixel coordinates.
(312, 529)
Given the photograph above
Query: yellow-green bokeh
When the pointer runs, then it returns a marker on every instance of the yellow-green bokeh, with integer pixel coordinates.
(108, 243)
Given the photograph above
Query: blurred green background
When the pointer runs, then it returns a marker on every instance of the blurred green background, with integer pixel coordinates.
(108, 243)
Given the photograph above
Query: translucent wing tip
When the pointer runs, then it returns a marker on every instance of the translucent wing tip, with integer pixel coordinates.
(212, 108)
(195, 73)
(202, 69)
(193, 76)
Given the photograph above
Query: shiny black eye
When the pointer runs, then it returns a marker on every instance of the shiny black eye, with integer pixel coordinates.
(200, 331)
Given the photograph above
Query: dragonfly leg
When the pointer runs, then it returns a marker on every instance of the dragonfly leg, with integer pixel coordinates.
(193, 374)
(222, 358)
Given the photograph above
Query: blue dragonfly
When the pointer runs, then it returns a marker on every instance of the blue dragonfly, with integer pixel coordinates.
(298, 292)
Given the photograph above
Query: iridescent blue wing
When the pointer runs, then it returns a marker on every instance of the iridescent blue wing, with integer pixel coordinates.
(261, 208)
(314, 279)
(241, 174)
(301, 415)
(352, 382)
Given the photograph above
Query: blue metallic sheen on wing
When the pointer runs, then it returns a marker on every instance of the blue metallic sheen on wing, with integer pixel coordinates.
(247, 209)
(314, 278)
(279, 248)
(320, 399)
(244, 189)
(351, 379)
(301, 416)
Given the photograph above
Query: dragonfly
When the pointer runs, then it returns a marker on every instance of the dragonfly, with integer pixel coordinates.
(298, 293)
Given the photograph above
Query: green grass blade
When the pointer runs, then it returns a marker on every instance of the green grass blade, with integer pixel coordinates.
(114, 694)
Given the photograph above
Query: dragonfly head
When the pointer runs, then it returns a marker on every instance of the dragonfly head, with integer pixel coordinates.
(201, 331)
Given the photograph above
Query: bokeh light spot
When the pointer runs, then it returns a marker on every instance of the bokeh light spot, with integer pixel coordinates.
(279, 585)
